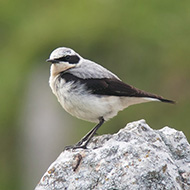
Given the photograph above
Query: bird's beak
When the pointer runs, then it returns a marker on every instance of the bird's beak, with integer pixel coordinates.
(49, 60)
(52, 61)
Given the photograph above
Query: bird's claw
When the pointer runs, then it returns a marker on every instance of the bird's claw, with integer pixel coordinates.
(77, 146)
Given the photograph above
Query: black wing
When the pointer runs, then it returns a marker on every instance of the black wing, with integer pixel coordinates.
(112, 87)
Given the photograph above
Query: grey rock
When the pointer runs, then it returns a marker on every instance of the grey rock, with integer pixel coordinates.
(135, 158)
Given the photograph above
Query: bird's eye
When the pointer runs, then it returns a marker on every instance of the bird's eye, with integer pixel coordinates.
(67, 57)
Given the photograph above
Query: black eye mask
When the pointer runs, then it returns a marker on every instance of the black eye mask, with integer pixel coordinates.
(73, 59)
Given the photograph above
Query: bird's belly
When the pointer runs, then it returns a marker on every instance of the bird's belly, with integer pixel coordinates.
(79, 102)
(90, 107)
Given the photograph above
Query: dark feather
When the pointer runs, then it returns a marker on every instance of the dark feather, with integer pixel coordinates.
(73, 59)
(111, 87)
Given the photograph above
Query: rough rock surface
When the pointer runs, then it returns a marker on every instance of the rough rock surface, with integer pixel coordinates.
(137, 157)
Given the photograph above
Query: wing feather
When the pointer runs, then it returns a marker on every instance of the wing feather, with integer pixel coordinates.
(111, 87)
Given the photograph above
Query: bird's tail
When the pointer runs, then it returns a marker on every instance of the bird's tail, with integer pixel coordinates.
(166, 100)
(153, 97)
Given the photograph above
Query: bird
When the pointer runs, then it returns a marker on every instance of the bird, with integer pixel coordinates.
(91, 92)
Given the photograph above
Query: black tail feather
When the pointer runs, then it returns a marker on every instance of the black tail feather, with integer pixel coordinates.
(167, 101)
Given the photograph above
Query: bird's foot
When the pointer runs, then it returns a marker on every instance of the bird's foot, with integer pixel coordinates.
(86, 139)
(76, 146)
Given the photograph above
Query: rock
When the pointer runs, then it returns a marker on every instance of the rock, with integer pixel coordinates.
(137, 157)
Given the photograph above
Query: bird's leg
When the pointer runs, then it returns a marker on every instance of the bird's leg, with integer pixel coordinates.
(78, 145)
(94, 131)
(87, 137)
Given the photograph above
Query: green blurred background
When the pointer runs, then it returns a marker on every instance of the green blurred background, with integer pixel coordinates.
(146, 43)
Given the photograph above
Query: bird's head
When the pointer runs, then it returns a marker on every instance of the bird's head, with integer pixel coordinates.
(63, 59)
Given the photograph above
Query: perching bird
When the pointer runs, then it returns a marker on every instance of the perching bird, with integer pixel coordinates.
(90, 92)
